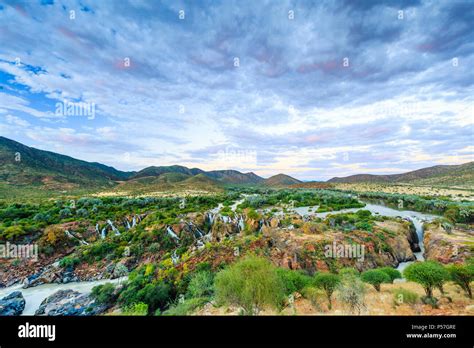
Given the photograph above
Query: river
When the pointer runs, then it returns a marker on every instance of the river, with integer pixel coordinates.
(35, 295)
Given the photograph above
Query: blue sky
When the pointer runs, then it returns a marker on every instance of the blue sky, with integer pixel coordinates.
(312, 89)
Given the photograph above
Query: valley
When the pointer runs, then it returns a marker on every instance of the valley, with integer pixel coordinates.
(179, 241)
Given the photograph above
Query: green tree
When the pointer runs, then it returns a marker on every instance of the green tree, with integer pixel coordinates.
(251, 283)
(462, 275)
(391, 272)
(429, 274)
(327, 282)
(351, 291)
(375, 277)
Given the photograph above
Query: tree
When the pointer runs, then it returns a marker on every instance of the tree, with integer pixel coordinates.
(351, 291)
(429, 274)
(327, 282)
(462, 275)
(392, 273)
(375, 277)
(251, 283)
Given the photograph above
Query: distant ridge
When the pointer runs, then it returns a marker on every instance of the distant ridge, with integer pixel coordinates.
(462, 174)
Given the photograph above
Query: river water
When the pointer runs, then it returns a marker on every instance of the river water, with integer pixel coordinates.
(35, 295)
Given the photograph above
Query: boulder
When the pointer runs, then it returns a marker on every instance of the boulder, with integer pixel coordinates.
(69, 302)
(13, 304)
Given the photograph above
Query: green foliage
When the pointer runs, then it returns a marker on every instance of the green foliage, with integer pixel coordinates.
(136, 309)
(293, 280)
(201, 285)
(462, 275)
(327, 282)
(186, 307)
(251, 283)
(401, 296)
(69, 262)
(392, 273)
(375, 277)
(104, 294)
(429, 274)
(348, 271)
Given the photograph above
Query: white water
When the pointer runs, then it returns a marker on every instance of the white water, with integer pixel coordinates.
(416, 217)
(35, 295)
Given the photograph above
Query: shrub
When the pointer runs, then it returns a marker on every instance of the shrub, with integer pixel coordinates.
(201, 285)
(154, 295)
(187, 306)
(251, 283)
(69, 262)
(351, 291)
(54, 235)
(314, 295)
(327, 282)
(401, 296)
(138, 308)
(429, 274)
(391, 272)
(104, 294)
(348, 271)
(375, 277)
(293, 280)
(462, 275)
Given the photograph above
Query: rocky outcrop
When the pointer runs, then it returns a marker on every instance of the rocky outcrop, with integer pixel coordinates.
(13, 304)
(447, 244)
(69, 302)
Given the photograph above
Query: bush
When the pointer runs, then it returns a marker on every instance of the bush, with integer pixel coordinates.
(401, 296)
(104, 294)
(351, 291)
(462, 275)
(201, 285)
(139, 308)
(293, 280)
(375, 277)
(348, 271)
(251, 283)
(314, 295)
(392, 273)
(429, 274)
(187, 306)
(327, 282)
(69, 262)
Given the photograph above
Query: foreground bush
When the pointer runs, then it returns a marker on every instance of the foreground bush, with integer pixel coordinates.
(104, 294)
(462, 275)
(429, 274)
(351, 291)
(328, 283)
(139, 308)
(251, 283)
(293, 281)
(201, 285)
(375, 277)
(187, 306)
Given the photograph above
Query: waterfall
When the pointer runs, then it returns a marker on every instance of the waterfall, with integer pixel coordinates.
(174, 258)
(241, 223)
(134, 222)
(117, 233)
(103, 233)
(171, 233)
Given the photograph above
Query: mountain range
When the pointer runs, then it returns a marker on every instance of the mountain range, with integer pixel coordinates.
(21, 165)
(450, 175)
(24, 165)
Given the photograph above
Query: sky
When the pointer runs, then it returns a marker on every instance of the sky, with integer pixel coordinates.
(311, 89)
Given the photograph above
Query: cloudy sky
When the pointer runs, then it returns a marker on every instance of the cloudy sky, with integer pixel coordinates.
(314, 90)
